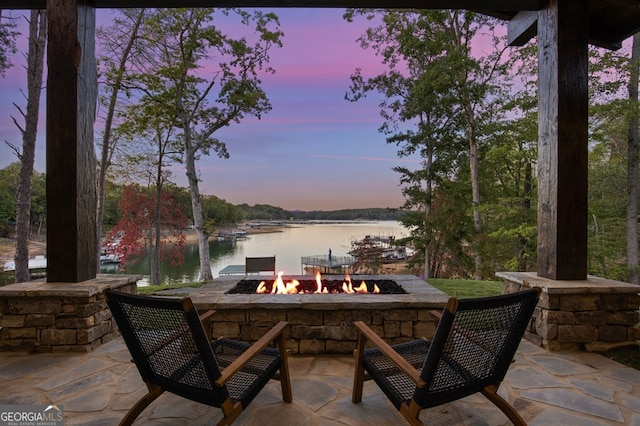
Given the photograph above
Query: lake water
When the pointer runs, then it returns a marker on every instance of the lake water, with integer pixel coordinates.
(289, 245)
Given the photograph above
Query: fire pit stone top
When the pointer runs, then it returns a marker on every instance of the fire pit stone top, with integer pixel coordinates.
(419, 295)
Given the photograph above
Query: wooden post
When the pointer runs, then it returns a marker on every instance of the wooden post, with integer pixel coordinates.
(71, 168)
(563, 137)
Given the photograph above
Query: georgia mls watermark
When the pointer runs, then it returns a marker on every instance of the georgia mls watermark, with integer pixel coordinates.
(31, 415)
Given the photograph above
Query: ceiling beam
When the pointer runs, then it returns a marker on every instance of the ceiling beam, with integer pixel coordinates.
(497, 5)
(522, 28)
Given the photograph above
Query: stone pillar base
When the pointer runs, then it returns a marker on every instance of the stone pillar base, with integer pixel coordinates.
(38, 316)
(593, 314)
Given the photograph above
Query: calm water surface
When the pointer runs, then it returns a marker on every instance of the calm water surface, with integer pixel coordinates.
(288, 246)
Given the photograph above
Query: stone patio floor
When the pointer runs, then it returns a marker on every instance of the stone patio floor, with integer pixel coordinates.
(559, 388)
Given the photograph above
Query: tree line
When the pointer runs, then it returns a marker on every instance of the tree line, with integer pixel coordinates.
(217, 212)
(469, 115)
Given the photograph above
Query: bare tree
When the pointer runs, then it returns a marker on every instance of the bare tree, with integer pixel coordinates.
(35, 65)
(119, 55)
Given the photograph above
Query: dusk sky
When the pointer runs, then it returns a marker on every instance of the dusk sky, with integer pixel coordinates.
(313, 151)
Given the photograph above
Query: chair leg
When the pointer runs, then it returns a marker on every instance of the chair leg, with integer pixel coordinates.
(285, 379)
(231, 411)
(154, 392)
(411, 413)
(358, 377)
(491, 392)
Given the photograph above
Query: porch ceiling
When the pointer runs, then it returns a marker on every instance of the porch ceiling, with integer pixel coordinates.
(610, 21)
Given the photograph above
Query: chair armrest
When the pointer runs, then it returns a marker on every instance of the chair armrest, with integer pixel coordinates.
(206, 316)
(250, 353)
(205, 319)
(437, 314)
(391, 354)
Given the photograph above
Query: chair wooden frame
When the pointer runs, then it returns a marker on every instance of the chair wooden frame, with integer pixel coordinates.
(419, 368)
(155, 342)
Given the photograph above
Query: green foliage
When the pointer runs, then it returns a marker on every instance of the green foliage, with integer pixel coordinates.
(267, 212)
(264, 212)
(8, 193)
(350, 214)
(217, 212)
(7, 42)
(442, 103)
(112, 213)
(8, 196)
(7, 277)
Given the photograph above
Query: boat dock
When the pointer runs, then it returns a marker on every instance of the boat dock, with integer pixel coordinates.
(309, 265)
(37, 267)
(326, 264)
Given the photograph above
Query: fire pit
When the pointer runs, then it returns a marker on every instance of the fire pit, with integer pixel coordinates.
(321, 322)
(317, 286)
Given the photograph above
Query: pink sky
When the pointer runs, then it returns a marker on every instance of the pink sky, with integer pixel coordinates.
(313, 151)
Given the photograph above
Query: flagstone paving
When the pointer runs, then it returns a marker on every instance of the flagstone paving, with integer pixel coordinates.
(560, 388)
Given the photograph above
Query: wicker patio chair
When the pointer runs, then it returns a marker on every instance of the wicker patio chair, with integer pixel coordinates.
(168, 343)
(472, 348)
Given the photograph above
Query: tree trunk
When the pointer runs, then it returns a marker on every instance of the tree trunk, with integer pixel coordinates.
(107, 144)
(35, 62)
(523, 261)
(198, 220)
(156, 244)
(427, 210)
(633, 176)
(475, 181)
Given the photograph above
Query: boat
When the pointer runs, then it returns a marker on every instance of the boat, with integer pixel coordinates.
(235, 234)
(389, 251)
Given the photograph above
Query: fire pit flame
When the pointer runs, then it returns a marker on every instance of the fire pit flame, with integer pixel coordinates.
(291, 287)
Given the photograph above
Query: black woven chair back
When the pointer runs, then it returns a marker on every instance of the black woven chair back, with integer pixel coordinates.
(255, 265)
(169, 346)
(474, 346)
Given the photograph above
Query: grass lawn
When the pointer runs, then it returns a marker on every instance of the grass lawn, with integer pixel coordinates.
(467, 288)
(150, 289)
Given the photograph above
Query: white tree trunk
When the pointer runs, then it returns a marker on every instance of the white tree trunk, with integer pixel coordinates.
(198, 221)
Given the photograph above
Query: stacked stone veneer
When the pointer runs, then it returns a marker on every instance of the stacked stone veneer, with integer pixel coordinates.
(323, 323)
(59, 317)
(593, 314)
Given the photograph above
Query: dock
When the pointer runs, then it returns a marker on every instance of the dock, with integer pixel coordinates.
(309, 264)
(327, 264)
(37, 267)
(232, 270)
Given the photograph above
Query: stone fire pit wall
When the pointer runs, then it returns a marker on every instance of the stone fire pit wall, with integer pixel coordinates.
(38, 316)
(323, 323)
(593, 314)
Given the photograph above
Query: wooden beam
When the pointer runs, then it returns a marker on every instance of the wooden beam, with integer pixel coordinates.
(71, 167)
(563, 138)
(522, 28)
(498, 5)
